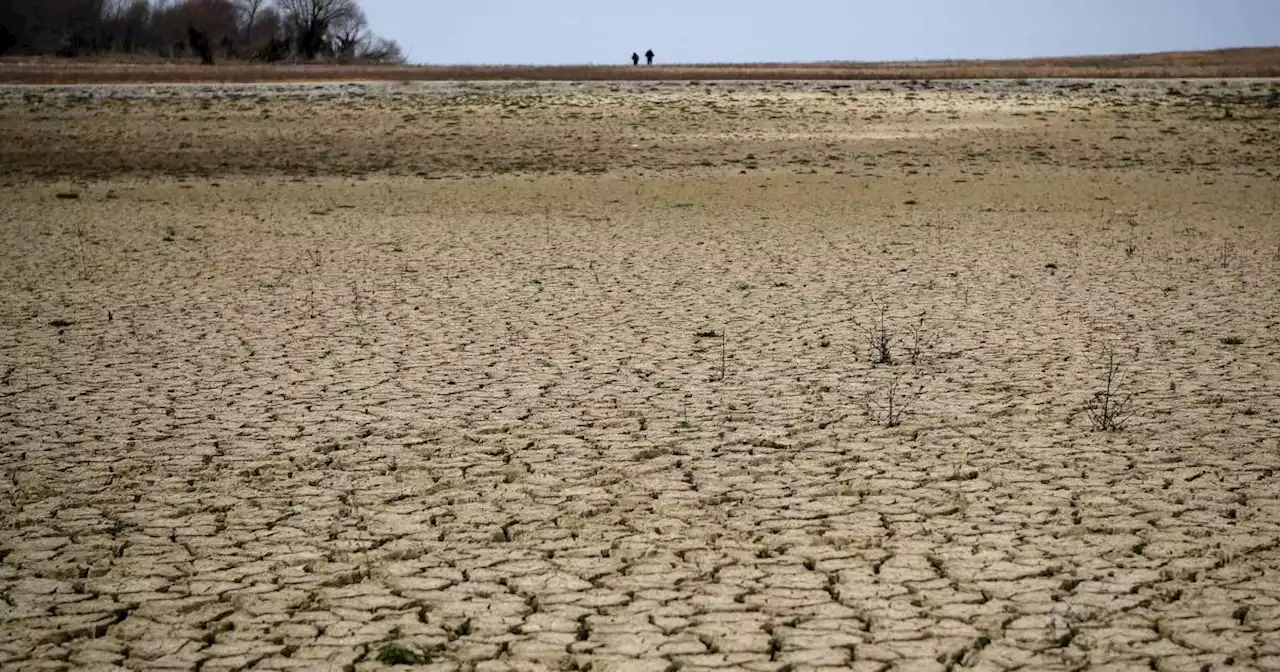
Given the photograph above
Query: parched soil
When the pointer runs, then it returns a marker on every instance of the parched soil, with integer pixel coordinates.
(558, 376)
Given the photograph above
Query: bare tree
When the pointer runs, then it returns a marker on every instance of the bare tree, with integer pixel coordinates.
(312, 20)
(89, 20)
(249, 10)
(350, 37)
(135, 27)
(267, 39)
(218, 19)
(267, 29)
(15, 22)
(175, 27)
(383, 51)
(66, 27)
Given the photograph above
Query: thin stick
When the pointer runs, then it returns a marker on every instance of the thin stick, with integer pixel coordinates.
(724, 333)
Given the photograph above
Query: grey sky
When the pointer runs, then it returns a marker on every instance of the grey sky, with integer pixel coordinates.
(684, 31)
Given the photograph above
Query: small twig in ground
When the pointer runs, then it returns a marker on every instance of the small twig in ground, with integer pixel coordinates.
(357, 303)
(723, 370)
(1132, 246)
(311, 296)
(311, 266)
(81, 230)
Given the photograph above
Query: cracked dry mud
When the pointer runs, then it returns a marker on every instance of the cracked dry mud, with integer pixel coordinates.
(597, 396)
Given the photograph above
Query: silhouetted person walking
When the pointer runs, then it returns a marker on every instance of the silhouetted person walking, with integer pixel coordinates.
(648, 57)
(635, 58)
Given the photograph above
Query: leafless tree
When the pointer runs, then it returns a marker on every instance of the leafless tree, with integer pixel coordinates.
(350, 38)
(135, 26)
(267, 39)
(383, 51)
(311, 21)
(269, 29)
(67, 27)
(249, 10)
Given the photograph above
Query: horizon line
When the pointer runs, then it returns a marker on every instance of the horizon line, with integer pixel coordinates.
(864, 63)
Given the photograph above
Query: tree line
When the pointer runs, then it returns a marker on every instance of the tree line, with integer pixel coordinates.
(266, 30)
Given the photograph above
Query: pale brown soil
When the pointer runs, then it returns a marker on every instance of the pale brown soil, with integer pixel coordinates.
(556, 376)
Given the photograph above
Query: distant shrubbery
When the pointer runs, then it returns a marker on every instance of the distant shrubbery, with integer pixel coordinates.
(267, 30)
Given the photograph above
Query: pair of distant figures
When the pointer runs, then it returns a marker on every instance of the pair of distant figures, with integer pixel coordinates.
(648, 57)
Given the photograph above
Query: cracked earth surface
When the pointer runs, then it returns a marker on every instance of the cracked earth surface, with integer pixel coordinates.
(307, 410)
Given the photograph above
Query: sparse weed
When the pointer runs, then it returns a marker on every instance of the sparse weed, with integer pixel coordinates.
(892, 398)
(724, 372)
(1110, 409)
(81, 252)
(311, 266)
(888, 405)
(879, 335)
(357, 298)
(311, 296)
(918, 342)
(884, 339)
(1128, 218)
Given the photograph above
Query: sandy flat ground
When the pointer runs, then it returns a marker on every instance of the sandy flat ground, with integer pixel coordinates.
(561, 376)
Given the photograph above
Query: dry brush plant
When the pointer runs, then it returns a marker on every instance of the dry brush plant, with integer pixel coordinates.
(889, 341)
(906, 349)
(1110, 408)
(892, 400)
(918, 342)
(1131, 220)
(82, 258)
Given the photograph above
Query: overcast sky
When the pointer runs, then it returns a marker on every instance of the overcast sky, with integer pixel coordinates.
(687, 31)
